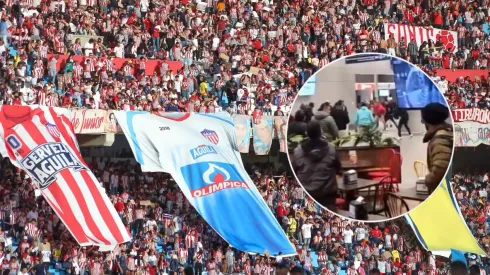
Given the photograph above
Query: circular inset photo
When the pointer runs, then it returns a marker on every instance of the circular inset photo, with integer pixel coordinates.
(370, 137)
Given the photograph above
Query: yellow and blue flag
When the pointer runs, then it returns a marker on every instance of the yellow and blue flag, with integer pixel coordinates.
(439, 224)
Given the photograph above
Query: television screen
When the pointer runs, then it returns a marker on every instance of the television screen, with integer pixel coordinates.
(384, 92)
(308, 88)
(414, 89)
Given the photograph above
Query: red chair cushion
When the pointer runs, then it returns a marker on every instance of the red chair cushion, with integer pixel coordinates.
(378, 174)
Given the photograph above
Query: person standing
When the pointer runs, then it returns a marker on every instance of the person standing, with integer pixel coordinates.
(298, 126)
(198, 263)
(306, 233)
(390, 107)
(327, 122)
(440, 140)
(364, 118)
(379, 111)
(403, 115)
(316, 165)
(341, 116)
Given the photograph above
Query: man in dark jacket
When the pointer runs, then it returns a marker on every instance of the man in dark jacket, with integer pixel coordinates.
(440, 138)
(298, 126)
(316, 164)
(327, 122)
(341, 116)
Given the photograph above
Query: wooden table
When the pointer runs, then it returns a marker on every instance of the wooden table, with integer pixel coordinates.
(350, 187)
(361, 164)
(371, 217)
(411, 194)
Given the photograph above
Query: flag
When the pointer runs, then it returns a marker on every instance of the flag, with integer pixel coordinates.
(439, 224)
(41, 141)
(201, 154)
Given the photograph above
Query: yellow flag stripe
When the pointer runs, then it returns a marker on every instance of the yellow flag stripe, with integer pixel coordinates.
(439, 225)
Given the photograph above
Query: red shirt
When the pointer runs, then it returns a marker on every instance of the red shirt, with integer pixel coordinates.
(376, 233)
(119, 206)
(281, 211)
(221, 24)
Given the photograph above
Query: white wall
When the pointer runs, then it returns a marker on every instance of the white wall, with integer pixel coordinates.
(337, 81)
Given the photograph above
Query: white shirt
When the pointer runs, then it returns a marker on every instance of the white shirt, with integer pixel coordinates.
(348, 236)
(388, 240)
(119, 51)
(361, 233)
(46, 255)
(215, 43)
(306, 230)
(382, 266)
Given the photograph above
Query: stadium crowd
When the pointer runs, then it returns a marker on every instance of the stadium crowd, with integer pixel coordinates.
(471, 191)
(169, 237)
(253, 53)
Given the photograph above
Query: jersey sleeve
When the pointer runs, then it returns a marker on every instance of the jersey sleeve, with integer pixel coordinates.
(133, 125)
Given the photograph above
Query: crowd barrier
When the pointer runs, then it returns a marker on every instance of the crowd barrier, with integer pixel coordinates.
(151, 65)
(471, 127)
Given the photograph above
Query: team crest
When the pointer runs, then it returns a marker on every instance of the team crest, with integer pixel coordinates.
(212, 136)
(53, 130)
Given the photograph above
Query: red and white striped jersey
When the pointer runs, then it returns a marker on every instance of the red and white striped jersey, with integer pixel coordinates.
(43, 144)
(31, 230)
(190, 241)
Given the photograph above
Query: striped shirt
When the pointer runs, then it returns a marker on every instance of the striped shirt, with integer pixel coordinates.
(31, 230)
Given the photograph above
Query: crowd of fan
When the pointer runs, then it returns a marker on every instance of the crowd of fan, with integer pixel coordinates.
(472, 193)
(252, 53)
(465, 92)
(170, 237)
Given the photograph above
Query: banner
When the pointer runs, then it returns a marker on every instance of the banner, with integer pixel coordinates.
(88, 121)
(438, 214)
(449, 39)
(281, 127)
(204, 161)
(151, 65)
(243, 129)
(471, 127)
(43, 145)
(110, 123)
(263, 134)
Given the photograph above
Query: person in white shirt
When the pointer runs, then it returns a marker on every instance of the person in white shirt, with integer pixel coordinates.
(348, 234)
(360, 233)
(306, 232)
(388, 242)
(382, 265)
(23, 271)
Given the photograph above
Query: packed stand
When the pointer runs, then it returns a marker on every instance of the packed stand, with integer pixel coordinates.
(465, 92)
(170, 237)
(471, 191)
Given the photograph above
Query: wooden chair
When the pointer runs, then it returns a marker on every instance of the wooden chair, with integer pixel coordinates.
(420, 169)
(394, 205)
(385, 185)
(395, 170)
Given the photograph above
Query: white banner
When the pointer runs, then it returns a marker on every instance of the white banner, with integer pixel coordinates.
(471, 127)
(449, 39)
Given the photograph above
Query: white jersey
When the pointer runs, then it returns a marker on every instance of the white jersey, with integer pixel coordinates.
(201, 154)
